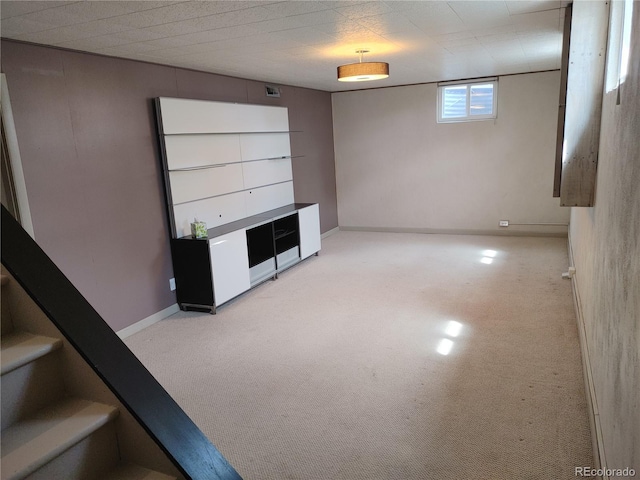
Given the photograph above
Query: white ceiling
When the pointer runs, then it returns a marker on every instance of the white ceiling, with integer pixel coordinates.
(302, 42)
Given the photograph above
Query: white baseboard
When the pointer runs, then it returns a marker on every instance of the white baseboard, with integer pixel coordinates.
(330, 232)
(147, 322)
(592, 404)
(562, 231)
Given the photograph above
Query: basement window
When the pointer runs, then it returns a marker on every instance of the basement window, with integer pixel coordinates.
(468, 101)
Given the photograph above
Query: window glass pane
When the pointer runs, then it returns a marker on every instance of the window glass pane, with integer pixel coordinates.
(481, 99)
(454, 102)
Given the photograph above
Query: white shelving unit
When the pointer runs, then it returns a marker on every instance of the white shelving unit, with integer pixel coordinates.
(229, 165)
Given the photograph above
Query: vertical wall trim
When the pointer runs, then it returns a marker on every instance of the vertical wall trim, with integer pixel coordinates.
(15, 159)
(597, 441)
(566, 37)
(583, 109)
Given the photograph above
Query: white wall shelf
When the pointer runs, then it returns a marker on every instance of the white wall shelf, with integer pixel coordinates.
(218, 165)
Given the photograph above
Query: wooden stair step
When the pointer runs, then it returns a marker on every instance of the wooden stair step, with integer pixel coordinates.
(135, 472)
(31, 443)
(4, 279)
(20, 348)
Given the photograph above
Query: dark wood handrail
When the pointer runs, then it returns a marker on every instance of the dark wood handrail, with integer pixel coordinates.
(156, 411)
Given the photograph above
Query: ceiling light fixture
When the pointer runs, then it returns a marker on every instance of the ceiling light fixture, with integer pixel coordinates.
(363, 71)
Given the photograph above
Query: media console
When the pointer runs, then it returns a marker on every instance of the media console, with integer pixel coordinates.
(229, 165)
(240, 255)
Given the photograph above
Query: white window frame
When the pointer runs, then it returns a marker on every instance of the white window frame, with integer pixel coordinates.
(468, 84)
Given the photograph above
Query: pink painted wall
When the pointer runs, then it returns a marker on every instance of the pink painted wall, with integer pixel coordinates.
(88, 143)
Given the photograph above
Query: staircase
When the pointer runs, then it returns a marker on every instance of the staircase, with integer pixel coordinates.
(76, 402)
(58, 419)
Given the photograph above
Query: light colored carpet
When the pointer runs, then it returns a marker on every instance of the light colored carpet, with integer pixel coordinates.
(332, 371)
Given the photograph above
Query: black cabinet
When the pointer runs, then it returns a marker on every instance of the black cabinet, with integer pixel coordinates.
(260, 244)
(286, 233)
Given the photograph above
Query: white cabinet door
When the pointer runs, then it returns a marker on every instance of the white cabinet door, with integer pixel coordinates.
(229, 265)
(309, 224)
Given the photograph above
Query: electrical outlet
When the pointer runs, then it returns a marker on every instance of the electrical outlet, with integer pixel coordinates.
(172, 284)
(504, 223)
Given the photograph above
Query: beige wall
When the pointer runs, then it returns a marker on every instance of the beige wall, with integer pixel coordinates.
(605, 241)
(397, 168)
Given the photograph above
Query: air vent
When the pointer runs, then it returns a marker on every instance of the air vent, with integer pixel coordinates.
(272, 91)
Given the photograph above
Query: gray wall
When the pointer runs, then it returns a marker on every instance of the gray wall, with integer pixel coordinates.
(399, 169)
(605, 241)
(87, 139)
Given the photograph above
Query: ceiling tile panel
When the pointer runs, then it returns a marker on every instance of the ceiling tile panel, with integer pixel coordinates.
(278, 24)
(319, 18)
(180, 40)
(173, 29)
(152, 17)
(94, 43)
(170, 53)
(230, 19)
(176, 12)
(55, 17)
(386, 23)
(139, 5)
(500, 29)
(524, 6)
(539, 22)
(239, 31)
(462, 42)
(14, 8)
(486, 12)
(304, 51)
(410, 39)
(364, 10)
(501, 38)
(288, 9)
(435, 18)
(309, 36)
(95, 10)
(73, 32)
(370, 41)
(15, 27)
(344, 24)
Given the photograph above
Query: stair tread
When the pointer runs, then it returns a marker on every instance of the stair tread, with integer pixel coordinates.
(31, 443)
(135, 472)
(4, 279)
(20, 348)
